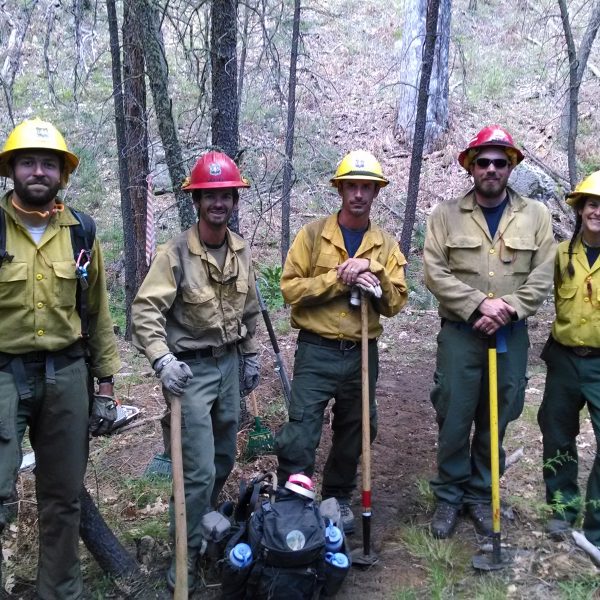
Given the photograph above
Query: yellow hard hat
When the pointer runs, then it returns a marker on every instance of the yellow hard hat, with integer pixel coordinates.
(590, 186)
(36, 134)
(359, 164)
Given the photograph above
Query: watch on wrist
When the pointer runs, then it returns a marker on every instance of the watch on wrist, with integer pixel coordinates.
(109, 379)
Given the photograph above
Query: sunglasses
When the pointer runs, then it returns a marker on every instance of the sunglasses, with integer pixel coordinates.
(484, 163)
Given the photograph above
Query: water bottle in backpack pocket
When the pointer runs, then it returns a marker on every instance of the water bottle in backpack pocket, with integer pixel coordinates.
(236, 566)
(337, 565)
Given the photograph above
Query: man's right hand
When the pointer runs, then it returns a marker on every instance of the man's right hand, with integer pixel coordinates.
(173, 373)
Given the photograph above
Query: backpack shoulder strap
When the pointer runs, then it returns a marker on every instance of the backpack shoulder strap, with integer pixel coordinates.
(4, 255)
(83, 236)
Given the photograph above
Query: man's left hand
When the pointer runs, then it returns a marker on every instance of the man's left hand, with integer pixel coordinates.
(249, 373)
(351, 268)
(104, 414)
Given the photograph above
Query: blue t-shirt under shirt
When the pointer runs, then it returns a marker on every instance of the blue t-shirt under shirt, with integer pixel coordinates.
(352, 239)
(493, 215)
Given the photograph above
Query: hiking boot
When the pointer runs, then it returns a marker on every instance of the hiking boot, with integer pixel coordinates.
(347, 517)
(481, 515)
(192, 580)
(558, 529)
(444, 520)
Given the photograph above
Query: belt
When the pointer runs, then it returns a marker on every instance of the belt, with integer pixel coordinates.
(62, 358)
(581, 351)
(469, 326)
(212, 352)
(318, 340)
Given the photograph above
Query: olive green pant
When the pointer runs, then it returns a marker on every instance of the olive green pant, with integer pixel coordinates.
(57, 417)
(322, 373)
(572, 382)
(210, 408)
(460, 396)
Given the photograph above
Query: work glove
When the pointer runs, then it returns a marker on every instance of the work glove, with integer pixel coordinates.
(173, 373)
(104, 414)
(249, 373)
(374, 290)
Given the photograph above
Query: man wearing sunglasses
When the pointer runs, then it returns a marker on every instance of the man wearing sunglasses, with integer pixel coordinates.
(194, 312)
(488, 259)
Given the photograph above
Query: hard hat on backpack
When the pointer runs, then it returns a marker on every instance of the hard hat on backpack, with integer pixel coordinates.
(359, 164)
(590, 186)
(492, 135)
(214, 170)
(35, 134)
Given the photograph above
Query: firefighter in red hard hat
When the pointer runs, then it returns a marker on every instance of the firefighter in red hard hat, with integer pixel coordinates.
(194, 317)
(488, 259)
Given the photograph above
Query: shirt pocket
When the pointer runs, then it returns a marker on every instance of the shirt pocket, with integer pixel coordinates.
(565, 296)
(65, 283)
(13, 284)
(517, 252)
(464, 254)
(199, 308)
(326, 262)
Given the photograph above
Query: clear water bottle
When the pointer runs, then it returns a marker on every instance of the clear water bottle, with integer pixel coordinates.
(333, 538)
(240, 555)
(337, 559)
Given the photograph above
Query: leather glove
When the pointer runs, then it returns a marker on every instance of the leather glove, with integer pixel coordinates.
(249, 373)
(104, 414)
(173, 373)
(374, 290)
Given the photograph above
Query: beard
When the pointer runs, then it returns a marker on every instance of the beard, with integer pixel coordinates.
(490, 187)
(36, 198)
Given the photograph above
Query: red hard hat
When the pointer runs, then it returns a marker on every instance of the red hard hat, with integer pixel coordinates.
(492, 135)
(214, 170)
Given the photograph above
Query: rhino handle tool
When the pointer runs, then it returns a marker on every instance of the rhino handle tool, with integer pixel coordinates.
(181, 575)
(497, 560)
(365, 557)
(285, 382)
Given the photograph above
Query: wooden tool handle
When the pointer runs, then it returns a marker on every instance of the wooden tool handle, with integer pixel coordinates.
(181, 575)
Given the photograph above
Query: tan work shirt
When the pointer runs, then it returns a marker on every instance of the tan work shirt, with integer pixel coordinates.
(577, 298)
(38, 294)
(187, 303)
(464, 265)
(319, 300)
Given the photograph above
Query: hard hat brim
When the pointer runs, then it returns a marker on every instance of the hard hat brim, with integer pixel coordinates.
(71, 160)
(214, 185)
(574, 198)
(382, 181)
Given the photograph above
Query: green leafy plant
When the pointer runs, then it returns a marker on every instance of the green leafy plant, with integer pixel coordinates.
(268, 283)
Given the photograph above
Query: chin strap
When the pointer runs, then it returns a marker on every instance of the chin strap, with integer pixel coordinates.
(58, 207)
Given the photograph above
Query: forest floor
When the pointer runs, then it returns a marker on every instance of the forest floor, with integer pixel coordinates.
(411, 564)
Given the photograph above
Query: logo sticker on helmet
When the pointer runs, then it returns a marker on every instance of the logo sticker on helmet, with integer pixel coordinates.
(359, 163)
(42, 132)
(214, 169)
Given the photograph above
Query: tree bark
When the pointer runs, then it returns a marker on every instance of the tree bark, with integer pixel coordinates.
(126, 213)
(223, 55)
(577, 66)
(158, 75)
(289, 137)
(420, 126)
(102, 543)
(411, 59)
(134, 88)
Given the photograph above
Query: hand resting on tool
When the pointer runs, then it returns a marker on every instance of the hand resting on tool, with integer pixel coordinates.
(173, 373)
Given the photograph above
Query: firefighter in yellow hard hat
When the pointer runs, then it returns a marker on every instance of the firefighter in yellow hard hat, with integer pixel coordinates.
(53, 314)
(572, 355)
(329, 262)
(488, 260)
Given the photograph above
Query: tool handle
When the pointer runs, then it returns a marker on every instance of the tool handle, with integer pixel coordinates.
(181, 576)
(254, 403)
(366, 426)
(494, 434)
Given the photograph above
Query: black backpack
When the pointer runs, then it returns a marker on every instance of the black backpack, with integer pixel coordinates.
(83, 236)
(286, 534)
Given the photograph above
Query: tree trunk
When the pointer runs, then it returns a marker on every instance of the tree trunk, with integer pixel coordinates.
(223, 55)
(577, 65)
(102, 543)
(134, 88)
(126, 213)
(289, 137)
(157, 71)
(410, 66)
(414, 175)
